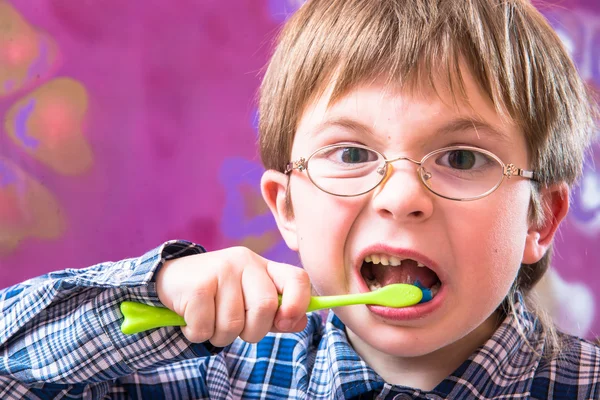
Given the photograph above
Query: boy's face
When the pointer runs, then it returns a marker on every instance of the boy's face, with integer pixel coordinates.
(474, 247)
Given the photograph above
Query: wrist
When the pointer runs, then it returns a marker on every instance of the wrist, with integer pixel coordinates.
(166, 286)
(162, 287)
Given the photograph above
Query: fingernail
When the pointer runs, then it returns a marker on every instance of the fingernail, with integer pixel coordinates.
(285, 324)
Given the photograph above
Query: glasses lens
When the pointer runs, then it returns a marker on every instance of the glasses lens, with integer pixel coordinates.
(346, 169)
(461, 172)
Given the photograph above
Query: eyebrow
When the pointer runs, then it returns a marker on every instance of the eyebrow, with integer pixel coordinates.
(463, 124)
(457, 125)
(342, 122)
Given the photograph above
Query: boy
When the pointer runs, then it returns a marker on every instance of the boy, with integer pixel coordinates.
(478, 98)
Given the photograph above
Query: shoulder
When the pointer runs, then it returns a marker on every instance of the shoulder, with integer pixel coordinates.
(577, 352)
(573, 370)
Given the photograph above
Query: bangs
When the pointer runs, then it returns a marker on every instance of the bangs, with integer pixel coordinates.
(408, 64)
(411, 45)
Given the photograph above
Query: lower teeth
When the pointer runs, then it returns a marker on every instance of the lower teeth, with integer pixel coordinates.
(373, 284)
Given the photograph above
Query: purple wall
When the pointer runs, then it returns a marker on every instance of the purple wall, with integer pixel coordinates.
(127, 123)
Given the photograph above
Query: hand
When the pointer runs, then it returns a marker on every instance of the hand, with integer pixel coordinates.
(233, 292)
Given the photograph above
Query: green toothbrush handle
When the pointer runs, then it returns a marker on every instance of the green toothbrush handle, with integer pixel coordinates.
(323, 302)
(141, 317)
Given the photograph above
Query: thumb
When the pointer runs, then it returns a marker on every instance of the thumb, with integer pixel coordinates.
(294, 286)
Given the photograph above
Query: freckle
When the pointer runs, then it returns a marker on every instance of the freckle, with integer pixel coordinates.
(389, 137)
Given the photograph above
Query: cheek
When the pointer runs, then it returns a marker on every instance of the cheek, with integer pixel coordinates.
(323, 223)
(510, 230)
(494, 240)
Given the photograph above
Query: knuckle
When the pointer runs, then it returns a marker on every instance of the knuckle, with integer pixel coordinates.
(227, 268)
(225, 333)
(199, 293)
(241, 253)
(198, 336)
(252, 337)
(266, 305)
(237, 258)
(221, 341)
(233, 327)
(300, 277)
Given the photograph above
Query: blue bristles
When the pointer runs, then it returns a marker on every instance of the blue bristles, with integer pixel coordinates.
(426, 292)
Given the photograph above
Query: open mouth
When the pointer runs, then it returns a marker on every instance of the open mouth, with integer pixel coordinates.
(379, 270)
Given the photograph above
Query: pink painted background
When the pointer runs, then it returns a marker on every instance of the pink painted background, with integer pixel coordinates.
(127, 123)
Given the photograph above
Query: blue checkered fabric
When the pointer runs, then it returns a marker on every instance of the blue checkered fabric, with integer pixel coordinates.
(60, 338)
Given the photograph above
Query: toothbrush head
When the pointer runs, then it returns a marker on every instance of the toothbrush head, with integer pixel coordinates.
(427, 296)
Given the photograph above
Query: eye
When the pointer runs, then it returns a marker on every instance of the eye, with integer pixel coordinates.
(345, 155)
(354, 155)
(463, 159)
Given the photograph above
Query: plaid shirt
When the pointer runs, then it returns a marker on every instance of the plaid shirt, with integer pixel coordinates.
(60, 338)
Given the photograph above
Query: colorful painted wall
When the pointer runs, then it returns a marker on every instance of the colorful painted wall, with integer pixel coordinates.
(127, 123)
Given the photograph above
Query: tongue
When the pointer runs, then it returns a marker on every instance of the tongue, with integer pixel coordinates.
(408, 272)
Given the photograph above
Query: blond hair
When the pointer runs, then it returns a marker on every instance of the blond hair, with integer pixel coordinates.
(511, 50)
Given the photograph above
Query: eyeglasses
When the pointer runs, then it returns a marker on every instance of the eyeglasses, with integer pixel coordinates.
(460, 173)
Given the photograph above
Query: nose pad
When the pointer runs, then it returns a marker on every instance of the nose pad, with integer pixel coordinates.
(402, 195)
(424, 173)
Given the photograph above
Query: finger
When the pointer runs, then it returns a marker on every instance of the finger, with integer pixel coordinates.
(298, 326)
(199, 315)
(260, 299)
(294, 285)
(229, 308)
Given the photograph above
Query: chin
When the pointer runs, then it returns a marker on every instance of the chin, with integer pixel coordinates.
(394, 340)
(368, 333)
(403, 345)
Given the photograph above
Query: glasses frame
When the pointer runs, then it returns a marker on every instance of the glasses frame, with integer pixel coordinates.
(508, 170)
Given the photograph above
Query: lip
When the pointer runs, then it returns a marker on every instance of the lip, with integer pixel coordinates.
(407, 313)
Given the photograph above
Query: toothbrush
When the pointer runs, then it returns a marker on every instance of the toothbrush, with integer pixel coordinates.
(141, 317)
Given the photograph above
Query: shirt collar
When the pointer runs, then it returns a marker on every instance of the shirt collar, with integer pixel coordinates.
(507, 361)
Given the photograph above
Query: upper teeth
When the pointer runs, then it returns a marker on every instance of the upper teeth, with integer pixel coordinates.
(387, 260)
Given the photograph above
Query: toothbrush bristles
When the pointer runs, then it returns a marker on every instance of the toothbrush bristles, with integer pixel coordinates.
(427, 296)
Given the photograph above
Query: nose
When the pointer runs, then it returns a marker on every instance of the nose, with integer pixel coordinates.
(402, 195)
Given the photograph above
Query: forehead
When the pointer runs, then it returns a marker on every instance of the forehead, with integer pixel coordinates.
(388, 108)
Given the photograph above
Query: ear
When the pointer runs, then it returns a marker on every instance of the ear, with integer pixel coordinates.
(274, 185)
(555, 205)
